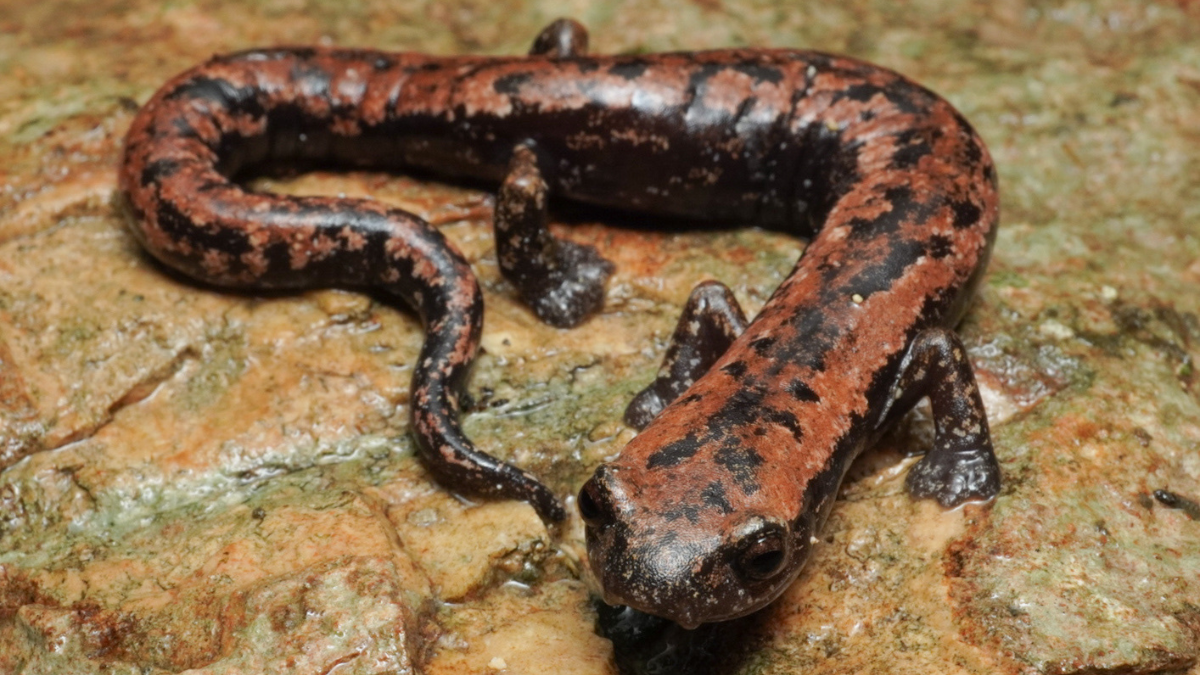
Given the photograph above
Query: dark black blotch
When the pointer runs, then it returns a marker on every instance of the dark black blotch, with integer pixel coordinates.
(802, 392)
(989, 173)
(903, 98)
(966, 214)
(861, 92)
(180, 227)
(878, 278)
(714, 496)
(814, 337)
(962, 121)
(940, 246)
(737, 369)
(184, 128)
(586, 65)
(742, 463)
(158, 170)
(784, 419)
(689, 511)
(241, 100)
(974, 152)
(629, 70)
(762, 345)
(303, 53)
(903, 207)
(511, 84)
(897, 94)
(759, 72)
(745, 107)
(741, 408)
(827, 168)
(908, 155)
(700, 76)
(674, 453)
(900, 197)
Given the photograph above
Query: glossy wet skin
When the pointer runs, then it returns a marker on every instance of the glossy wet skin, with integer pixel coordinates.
(708, 514)
(647, 560)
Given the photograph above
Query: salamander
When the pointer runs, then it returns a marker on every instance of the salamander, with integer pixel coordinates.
(749, 426)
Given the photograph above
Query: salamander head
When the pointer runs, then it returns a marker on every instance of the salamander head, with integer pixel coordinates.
(701, 554)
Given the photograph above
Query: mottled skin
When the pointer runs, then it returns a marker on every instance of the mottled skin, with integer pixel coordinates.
(708, 513)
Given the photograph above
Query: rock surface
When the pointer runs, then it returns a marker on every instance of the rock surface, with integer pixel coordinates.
(215, 483)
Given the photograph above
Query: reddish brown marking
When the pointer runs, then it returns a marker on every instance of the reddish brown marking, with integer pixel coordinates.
(897, 188)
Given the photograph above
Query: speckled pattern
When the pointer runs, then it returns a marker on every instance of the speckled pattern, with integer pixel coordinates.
(151, 421)
(706, 515)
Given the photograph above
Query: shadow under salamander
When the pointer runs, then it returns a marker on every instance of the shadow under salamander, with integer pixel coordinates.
(648, 645)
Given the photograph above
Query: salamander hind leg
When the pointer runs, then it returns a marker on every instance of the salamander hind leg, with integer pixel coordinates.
(561, 281)
(962, 465)
(712, 319)
(563, 38)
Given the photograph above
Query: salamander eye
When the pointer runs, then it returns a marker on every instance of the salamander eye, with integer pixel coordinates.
(763, 554)
(594, 503)
(588, 508)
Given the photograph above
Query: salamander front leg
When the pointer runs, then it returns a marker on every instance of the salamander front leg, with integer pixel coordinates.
(561, 39)
(561, 281)
(962, 465)
(712, 319)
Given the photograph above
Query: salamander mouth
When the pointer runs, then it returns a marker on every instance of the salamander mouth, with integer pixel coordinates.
(701, 594)
(628, 576)
(687, 618)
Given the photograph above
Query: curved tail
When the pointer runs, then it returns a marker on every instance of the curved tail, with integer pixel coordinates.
(180, 153)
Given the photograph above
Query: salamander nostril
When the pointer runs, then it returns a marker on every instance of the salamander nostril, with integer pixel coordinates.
(592, 505)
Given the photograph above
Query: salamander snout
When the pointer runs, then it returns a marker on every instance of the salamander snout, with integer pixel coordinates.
(670, 557)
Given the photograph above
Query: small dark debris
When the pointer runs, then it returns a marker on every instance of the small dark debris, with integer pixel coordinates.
(1172, 500)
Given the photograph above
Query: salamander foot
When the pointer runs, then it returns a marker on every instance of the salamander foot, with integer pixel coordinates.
(711, 320)
(561, 281)
(955, 477)
(962, 465)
